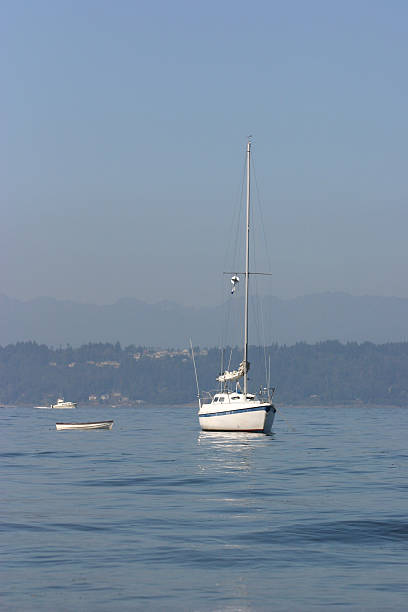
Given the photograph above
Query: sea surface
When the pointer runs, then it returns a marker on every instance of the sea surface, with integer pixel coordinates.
(156, 515)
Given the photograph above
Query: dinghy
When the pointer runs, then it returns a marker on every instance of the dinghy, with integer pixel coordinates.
(89, 425)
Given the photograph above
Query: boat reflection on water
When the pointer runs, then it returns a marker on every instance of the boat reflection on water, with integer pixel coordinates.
(230, 450)
(234, 438)
(231, 466)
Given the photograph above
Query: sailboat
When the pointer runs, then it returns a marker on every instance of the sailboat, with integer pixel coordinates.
(236, 409)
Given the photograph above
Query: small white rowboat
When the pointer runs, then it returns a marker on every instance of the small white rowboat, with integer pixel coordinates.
(91, 425)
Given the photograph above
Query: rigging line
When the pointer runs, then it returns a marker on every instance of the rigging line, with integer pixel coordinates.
(195, 372)
(264, 338)
(240, 212)
(237, 230)
(261, 306)
(227, 319)
(260, 320)
(236, 225)
(259, 323)
(286, 420)
(230, 358)
(230, 321)
(256, 292)
(260, 208)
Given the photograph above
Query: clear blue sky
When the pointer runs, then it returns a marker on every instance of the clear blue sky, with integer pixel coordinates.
(123, 133)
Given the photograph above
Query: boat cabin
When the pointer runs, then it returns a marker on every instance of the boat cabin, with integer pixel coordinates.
(232, 397)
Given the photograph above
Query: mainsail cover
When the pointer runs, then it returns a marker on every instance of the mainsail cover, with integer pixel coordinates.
(234, 374)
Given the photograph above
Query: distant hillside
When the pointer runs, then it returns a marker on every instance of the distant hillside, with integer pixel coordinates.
(324, 373)
(310, 318)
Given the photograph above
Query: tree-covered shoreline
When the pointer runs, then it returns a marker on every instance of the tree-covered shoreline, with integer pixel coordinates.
(324, 373)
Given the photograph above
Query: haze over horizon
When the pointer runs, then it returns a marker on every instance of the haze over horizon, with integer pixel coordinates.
(313, 318)
(222, 299)
(124, 129)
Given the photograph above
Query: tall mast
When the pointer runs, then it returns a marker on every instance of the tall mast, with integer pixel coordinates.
(248, 194)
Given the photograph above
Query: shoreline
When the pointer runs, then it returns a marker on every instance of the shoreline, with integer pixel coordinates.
(193, 405)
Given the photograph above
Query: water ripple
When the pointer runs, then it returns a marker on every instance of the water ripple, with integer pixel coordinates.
(157, 515)
(353, 532)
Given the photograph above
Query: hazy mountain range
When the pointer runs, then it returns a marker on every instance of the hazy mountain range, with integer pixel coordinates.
(309, 318)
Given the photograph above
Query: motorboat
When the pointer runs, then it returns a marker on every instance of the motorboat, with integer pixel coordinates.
(64, 405)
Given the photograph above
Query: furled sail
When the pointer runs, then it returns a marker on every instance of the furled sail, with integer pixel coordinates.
(234, 374)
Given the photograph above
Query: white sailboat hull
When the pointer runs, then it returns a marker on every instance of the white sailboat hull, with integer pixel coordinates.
(255, 417)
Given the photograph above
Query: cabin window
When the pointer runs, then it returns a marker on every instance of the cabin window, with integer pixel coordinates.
(215, 399)
(235, 397)
(221, 399)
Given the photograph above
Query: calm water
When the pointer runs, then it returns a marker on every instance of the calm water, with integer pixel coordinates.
(155, 515)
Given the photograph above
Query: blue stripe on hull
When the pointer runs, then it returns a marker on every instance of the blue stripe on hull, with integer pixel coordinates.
(236, 430)
(215, 414)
